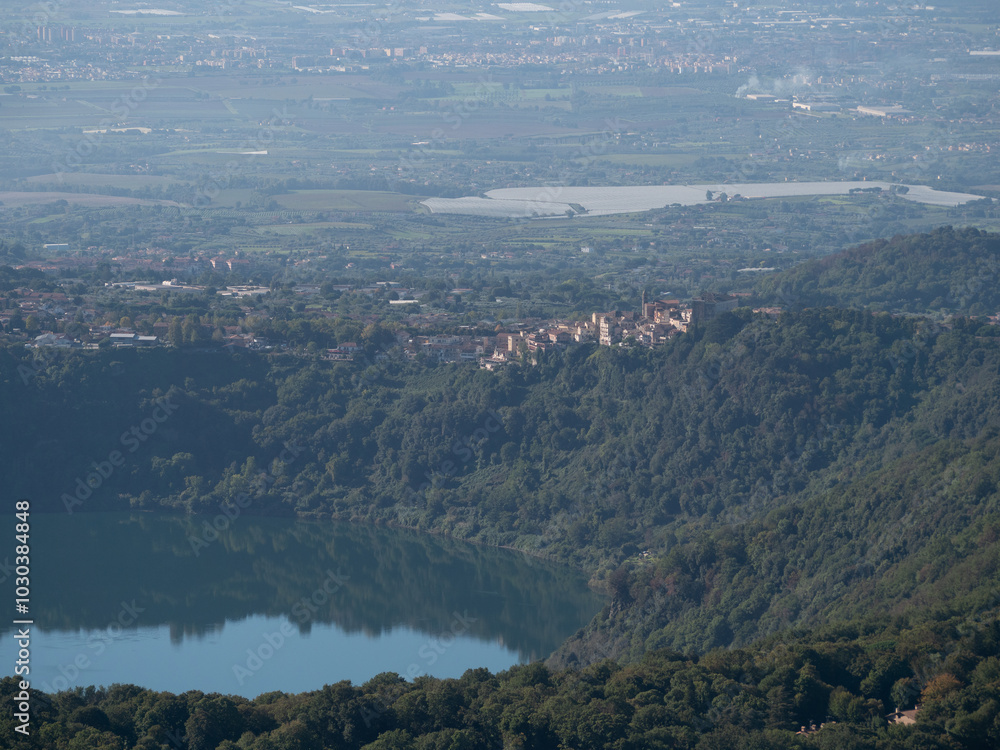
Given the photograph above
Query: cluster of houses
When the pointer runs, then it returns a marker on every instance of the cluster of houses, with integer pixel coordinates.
(904, 718)
(120, 339)
(175, 286)
(654, 324)
(45, 306)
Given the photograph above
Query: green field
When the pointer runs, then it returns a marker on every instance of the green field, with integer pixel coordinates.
(90, 179)
(653, 160)
(613, 90)
(90, 110)
(296, 88)
(316, 226)
(346, 200)
(14, 198)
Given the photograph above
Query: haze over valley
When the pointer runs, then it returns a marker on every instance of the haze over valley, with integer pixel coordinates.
(500, 375)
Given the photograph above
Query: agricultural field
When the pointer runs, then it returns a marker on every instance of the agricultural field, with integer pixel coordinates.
(345, 200)
(12, 199)
(314, 227)
(90, 179)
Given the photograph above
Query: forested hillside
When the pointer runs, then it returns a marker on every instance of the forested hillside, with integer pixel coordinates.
(944, 271)
(751, 459)
(827, 478)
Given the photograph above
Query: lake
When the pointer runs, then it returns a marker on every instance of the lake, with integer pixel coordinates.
(278, 604)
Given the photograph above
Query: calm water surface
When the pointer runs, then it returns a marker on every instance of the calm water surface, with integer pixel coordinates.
(278, 604)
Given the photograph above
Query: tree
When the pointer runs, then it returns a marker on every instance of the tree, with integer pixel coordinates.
(175, 332)
(395, 739)
(780, 711)
(939, 687)
(214, 718)
(904, 692)
(192, 331)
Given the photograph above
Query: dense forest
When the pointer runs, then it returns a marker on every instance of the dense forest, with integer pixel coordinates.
(742, 699)
(946, 271)
(796, 515)
(789, 429)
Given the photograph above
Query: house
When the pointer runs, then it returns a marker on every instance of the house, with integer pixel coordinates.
(539, 342)
(660, 309)
(508, 342)
(608, 331)
(124, 339)
(339, 354)
(903, 717)
(54, 339)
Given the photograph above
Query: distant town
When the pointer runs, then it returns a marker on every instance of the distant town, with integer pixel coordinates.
(57, 320)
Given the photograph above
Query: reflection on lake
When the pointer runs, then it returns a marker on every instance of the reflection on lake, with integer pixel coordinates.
(278, 604)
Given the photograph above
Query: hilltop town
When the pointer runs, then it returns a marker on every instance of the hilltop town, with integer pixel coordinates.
(62, 320)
